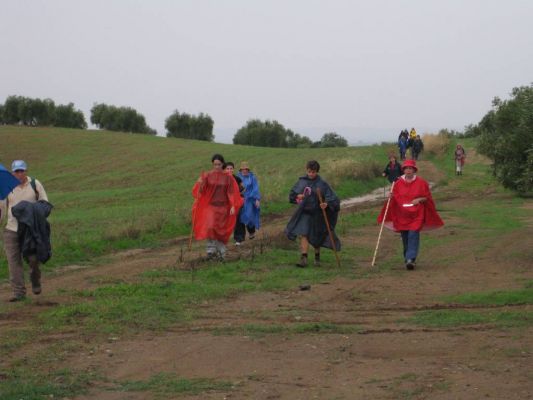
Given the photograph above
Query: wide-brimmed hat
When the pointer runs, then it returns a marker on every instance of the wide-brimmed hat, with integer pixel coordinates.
(244, 165)
(409, 163)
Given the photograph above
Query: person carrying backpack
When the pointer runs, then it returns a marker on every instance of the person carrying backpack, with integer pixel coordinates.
(31, 191)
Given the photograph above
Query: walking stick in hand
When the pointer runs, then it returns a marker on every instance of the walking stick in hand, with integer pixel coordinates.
(382, 224)
(333, 245)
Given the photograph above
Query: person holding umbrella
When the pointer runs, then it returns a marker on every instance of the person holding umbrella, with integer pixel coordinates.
(313, 195)
(29, 190)
(411, 209)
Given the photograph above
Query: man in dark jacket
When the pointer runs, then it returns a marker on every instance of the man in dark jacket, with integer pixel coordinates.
(308, 220)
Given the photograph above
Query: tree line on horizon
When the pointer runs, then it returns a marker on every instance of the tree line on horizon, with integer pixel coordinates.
(20, 110)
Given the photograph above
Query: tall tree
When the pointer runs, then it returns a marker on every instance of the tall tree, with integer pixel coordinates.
(332, 139)
(186, 126)
(506, 137)
(124, 119)
(268, 134)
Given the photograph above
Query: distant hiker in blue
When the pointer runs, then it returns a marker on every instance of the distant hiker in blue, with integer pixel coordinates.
(402, 146)
(249, 214)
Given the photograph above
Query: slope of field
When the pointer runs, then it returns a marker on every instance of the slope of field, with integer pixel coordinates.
(116, 190)
(162, 323)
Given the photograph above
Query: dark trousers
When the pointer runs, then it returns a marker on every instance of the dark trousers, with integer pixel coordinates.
(240, 231)
(411, 243)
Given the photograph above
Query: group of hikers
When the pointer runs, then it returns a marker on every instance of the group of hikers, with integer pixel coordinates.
(409, 140)
(227, 203)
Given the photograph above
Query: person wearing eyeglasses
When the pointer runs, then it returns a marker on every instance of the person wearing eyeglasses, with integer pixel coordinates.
(29, 190)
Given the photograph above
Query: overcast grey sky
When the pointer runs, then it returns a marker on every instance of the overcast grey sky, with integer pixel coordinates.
(365, 69)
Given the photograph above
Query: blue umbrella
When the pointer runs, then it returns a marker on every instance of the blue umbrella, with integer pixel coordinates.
(7, 182)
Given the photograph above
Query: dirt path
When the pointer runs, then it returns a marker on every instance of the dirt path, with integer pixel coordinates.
(384, 358)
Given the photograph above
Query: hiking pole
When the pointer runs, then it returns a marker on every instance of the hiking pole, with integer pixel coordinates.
(382, 224)
(333, 245)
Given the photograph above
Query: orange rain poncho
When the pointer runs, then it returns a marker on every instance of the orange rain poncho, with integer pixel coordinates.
(214, 197)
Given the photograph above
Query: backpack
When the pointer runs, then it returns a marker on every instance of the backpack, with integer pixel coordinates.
(34, 187)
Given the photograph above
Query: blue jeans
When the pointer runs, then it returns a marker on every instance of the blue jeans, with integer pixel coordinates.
(411, 243)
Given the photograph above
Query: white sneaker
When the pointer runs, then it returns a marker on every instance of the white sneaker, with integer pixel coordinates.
(237, 243)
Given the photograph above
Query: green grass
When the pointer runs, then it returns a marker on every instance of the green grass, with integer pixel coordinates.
(451, 318)
(115, 191)
(33, 384)
(166, 384)
(500, 298)
(259, 330)
(504, 318)
(163, 297)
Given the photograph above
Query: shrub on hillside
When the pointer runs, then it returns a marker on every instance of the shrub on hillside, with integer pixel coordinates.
(269, 134)
(350, 169)
(506, 137)
(183, 125)
(123, 119)
(436, 145)
(36, 112)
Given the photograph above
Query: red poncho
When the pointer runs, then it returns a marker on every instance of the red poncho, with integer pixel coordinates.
(402, 215)
(214, 198)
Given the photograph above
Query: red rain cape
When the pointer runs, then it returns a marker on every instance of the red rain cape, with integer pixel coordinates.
(402, 215)
(214, 197)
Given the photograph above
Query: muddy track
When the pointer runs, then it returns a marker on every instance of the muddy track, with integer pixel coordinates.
(378, 356)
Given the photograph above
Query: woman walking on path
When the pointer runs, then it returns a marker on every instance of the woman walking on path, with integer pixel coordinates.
(308, 220)
(393, 169)
(249, 215)
(402, 147)
(216, 205)
(411, 210)
(460, 156)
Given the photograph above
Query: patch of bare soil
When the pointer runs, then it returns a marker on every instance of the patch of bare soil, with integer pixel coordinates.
(383, 358)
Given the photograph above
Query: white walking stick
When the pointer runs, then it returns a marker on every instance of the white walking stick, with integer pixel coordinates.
(382, 224)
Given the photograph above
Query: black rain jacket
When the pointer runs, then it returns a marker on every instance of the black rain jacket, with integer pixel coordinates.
(34, 229)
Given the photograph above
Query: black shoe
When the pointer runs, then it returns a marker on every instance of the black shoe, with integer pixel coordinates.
(302, 263)
(36, 289)
(410, 264)
(251, 236)
(17, 298)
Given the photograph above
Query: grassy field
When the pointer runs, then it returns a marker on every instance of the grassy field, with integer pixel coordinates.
(116, 191)
(103, 308)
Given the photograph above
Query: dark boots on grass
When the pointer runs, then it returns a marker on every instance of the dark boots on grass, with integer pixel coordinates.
(303, 260)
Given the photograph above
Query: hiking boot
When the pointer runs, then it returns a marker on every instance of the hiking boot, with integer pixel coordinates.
(302, 263)
(252, 236)
(238, 243)
(211, 256)
(410, 264)
(36, 289)
(317, 260)
(16, 298)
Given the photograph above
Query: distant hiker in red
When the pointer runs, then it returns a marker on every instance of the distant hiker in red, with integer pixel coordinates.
(411, 210)
(460, 156)
(216, 206)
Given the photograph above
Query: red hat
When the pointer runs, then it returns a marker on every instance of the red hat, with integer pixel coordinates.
(409, 163)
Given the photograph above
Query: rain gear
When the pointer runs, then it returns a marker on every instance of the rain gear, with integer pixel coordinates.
(308, 219)
(34, 229)
(403, 215)
(214, 197)
(249, 214)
